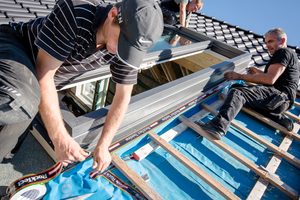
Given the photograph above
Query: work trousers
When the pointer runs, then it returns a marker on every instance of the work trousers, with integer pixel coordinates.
(255, 97)
(19, 90)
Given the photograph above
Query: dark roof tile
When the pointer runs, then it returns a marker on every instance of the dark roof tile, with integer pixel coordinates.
(218, 32)
(210, 33)
(201, 25)
(252, 50)
(209, 28)
(248, 44)
(23, 10)
(217, 27)
(226, 31)
(208, 24)
(241, 46)
(18, 8)
(193, 26)
(201, 30)
(228, 36)
(220, 37)
(230, 42)
(238, 40)
(12, 14)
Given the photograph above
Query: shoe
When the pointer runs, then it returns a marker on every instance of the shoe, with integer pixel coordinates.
(217, 133)
(287, 123)
(169, 16)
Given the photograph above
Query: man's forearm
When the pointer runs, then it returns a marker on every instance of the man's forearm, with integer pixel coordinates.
(182, 14)
(49, 109)
(182, 19)
(257, 78)
(113, 120)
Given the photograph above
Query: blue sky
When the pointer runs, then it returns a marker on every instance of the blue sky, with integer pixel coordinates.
(259, 16)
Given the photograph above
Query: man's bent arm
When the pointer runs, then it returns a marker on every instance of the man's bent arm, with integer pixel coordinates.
(113, 120)
(269, 78)
(66, 149)
(182, 14)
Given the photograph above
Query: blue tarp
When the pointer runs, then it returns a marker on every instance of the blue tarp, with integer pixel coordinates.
(172, 180)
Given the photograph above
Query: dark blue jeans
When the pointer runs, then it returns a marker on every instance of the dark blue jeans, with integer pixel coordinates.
(255, 97)
(19, 89)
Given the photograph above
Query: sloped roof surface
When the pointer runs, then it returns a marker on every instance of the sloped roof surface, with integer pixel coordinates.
(235, 36)
(23, 10)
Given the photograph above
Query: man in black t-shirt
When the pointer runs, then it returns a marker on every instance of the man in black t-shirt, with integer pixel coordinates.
(40, 56)
(276, 94)
(184, 8)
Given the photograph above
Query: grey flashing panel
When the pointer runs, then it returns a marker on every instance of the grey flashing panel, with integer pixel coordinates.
(147, 107)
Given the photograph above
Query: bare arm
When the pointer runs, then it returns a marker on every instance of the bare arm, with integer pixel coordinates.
(269, 78)
(255, 70)
(114, 118)
(182, 14)
(66, 149)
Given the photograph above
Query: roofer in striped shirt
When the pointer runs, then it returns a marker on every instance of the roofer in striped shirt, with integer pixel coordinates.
(45, 54)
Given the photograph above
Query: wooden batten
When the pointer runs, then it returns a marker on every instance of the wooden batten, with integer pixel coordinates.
(193, 167)
(156, 74)
(269, 122)
(135, 179)
(147, 149)
(270, 177)
(168, 70)
(274, 148)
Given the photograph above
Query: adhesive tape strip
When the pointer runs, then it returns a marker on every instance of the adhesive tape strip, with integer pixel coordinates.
(32, 186)
(32, 192)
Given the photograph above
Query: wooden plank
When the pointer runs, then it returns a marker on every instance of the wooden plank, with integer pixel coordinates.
(217, 55)
(291, 115)
(261, 185)
(269, 121)
(186, 63)
(297, 104)
(274, 148)
(156, 74)
(169, 72)
(193, 167)
(50, 151)
(199, 61)
(134, 178)
(273, 179)
(298, 94)
(184, 71)
(147, 149)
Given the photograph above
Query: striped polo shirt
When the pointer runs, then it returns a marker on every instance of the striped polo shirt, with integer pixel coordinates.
(68, 34)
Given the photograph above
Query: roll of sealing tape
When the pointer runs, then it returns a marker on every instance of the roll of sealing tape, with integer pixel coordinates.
(32, 192)
(32, 186)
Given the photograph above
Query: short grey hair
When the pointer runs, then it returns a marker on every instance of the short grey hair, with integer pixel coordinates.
(278, 32)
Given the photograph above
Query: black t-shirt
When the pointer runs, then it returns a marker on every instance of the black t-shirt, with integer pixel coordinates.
(288, 80)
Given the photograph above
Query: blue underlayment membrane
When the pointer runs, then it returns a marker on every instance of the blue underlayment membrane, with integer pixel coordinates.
(171, 180)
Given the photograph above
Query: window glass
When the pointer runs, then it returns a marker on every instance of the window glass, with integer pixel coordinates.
(170, 39)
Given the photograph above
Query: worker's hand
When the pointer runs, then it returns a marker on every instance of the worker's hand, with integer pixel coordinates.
(255, 70)
(68, 150)
(232, 75)
(102, 158)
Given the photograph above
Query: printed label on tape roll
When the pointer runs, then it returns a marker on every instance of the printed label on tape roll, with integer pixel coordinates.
(32, 192)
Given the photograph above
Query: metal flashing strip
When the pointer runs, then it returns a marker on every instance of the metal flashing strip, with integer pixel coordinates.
(169, 116)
